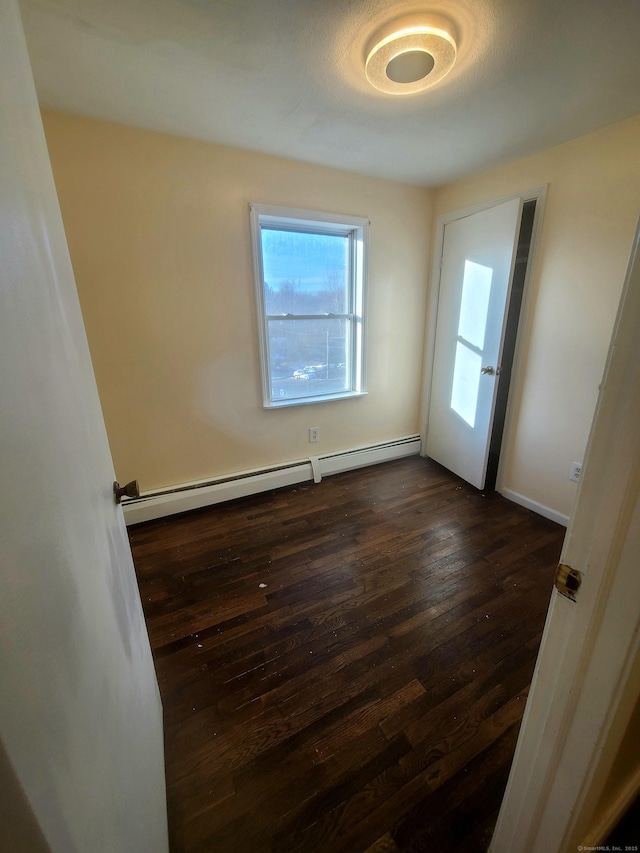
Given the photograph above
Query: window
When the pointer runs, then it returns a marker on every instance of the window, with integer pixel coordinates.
(310, 276)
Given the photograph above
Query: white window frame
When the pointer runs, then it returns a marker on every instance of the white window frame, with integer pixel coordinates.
(309, 221)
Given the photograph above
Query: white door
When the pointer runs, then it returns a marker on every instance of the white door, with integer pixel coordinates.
(587, 679)
(80, 713)
(477, 263)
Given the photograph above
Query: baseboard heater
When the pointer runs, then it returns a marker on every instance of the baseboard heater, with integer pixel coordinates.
(156, 504)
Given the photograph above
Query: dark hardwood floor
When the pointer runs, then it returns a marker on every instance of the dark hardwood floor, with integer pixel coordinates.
(344, 666)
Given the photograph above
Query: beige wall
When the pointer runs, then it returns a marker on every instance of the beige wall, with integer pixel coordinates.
(158, 229)
(592, 208)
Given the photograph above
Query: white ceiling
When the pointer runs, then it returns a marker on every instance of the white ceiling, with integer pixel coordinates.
(286, 76)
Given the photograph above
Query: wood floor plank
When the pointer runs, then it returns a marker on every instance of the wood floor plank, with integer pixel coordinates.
(385, 844)
(344, 665)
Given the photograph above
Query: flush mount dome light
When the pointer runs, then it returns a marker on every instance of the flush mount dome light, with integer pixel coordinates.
(410, 55)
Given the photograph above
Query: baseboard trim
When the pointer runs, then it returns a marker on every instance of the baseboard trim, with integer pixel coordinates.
(541, 509)
(188, 496)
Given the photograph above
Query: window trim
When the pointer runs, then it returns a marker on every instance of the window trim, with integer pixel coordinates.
(317, 222)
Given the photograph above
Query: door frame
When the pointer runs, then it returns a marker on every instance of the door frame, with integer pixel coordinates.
(537, 194)
(586, 683)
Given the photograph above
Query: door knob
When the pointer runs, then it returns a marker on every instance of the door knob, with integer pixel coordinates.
(488, 371)
(131, 490)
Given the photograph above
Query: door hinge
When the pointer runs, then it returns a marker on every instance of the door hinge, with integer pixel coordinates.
(568, 581)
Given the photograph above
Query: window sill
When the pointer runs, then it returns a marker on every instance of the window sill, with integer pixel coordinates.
(307, 401)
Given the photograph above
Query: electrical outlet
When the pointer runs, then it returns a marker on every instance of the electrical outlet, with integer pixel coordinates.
(576, 471)
(314, 435)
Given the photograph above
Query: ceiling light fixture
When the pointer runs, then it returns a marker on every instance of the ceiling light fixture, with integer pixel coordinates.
(410, 55)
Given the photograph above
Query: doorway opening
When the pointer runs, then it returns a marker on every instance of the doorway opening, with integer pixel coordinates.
(510, 336)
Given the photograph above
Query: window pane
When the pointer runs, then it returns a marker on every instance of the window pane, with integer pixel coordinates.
(308, 357)
(309, 265)
(305, 273)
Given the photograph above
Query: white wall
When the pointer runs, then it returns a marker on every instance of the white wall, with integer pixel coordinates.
(80, 714)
